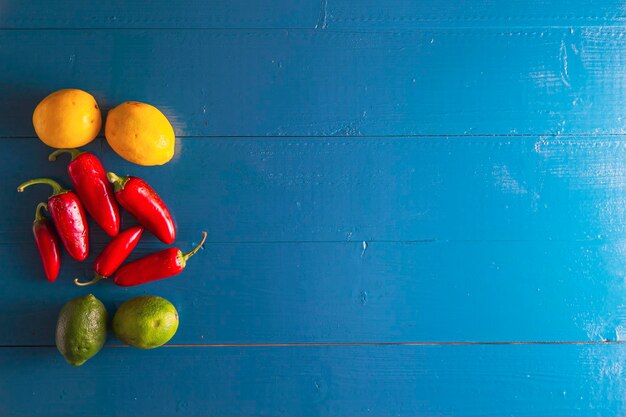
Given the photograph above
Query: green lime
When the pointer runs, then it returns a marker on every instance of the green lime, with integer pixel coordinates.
(146, 322)
(81, 329)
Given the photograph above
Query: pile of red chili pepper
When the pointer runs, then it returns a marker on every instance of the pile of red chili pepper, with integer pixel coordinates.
(99, 193)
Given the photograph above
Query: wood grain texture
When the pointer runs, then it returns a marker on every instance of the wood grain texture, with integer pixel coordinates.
(323, 83)
(369, 173)
(75, 14)
(320, 14)
(385, 381)
(364, 189)
(339, 292)
(305, 247)
(396, 14)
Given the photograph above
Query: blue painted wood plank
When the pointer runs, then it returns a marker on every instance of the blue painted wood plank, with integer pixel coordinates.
(525, 226)
(339, 292)
(323, 14)
(318, 381)
(160, 14)
(315, 82)
(364, 189)
(397, 14)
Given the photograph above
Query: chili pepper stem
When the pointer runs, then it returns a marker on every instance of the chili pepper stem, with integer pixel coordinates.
(56, 187)
(117, 181)
(196, 249)
(96, 278)
(38, 215)
(73, 152)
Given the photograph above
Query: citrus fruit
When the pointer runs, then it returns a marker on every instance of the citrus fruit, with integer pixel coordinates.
(145, 322)
(67, 118)
(140, 133)
(81, 329)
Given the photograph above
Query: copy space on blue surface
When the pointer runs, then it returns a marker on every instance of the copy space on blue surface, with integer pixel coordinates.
(414, 208)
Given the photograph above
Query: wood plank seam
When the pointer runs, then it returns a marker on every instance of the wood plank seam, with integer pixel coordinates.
(383, 136)
(348, 344)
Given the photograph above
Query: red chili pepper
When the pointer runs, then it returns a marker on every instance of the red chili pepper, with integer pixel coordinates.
(91, 185)
(47, 244)
(140, 200)
(114, 254)
(68, 216)
(159, 265)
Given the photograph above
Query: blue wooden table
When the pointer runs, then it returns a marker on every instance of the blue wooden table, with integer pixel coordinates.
(414, 208)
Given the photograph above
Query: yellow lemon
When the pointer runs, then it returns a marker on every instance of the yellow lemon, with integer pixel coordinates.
(67, 118)
(140, 133)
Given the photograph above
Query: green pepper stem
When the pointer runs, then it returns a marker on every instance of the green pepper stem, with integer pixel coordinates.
(196, 249)
(38, 215)
(73, 152)
(96, 278)
(118, 182)
(56, 187)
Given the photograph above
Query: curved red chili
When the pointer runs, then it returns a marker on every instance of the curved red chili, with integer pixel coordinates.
(159, 265)
(47, 244)
(68, 216)
(114, 254)
(140, 200)
(93, 188)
